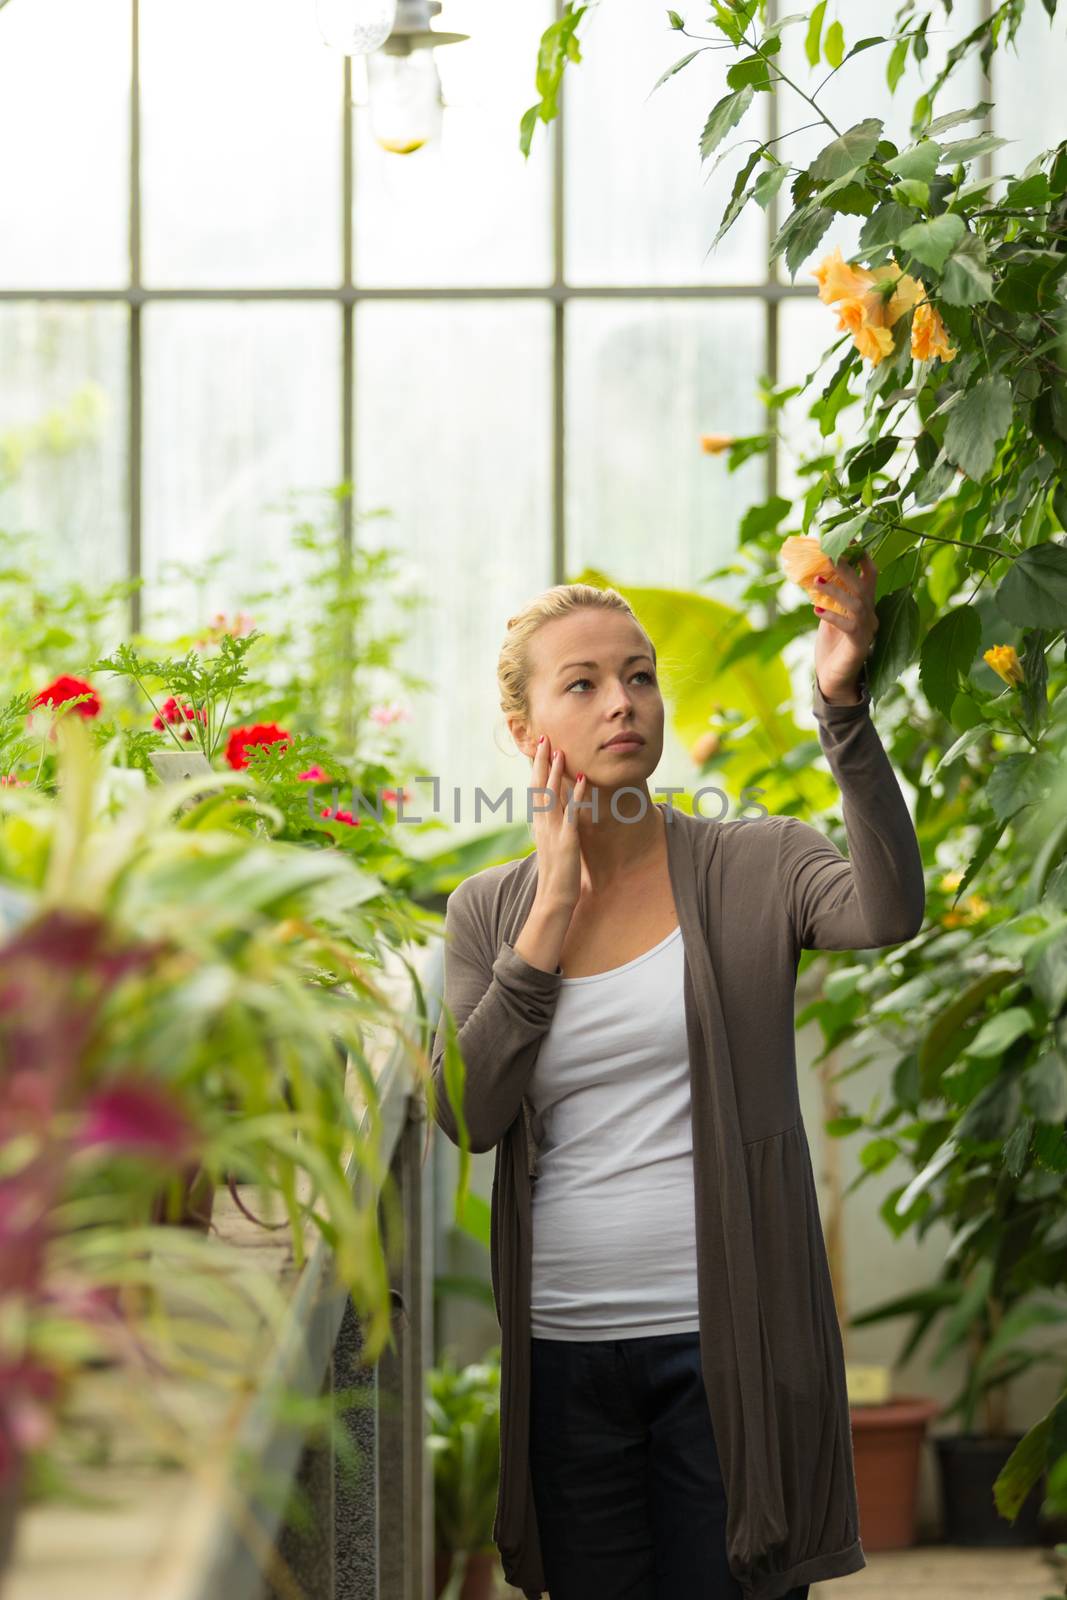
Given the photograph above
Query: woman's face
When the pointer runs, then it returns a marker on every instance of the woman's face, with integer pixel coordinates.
(593, 678)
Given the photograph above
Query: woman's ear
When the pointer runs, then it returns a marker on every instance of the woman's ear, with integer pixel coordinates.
(522, 736)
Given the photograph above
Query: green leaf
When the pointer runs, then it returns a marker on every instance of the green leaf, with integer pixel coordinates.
(964, 150)
(993, 1112)
(834, 44)
(865, 44)
(762, 518)
(849, 199)
(844, 154)
(1044, 1086)
(675, 20)
(996, 1035)
(952, 119)
(895, 66)
(752, 70)
(739, 195)
(885, 225)
(878, 1153)
(800, 234)
(768, 183)
(726, 114)
(1033, 593)
(898, 634)
(947, 653)
(912, 192)
(1028, 192)
(934, 241)
(1017, 780)
(918, 161)
(678, 65)
(967, 280)
(976, 425)
(813, 41)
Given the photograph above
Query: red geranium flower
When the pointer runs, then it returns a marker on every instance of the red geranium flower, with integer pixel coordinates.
(314, 774)
(64, 689)
(258, 733)
(341, 816)
(171, 711)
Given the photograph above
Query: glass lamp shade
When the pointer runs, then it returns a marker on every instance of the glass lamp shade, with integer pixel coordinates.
(355, 27)
(404, 92)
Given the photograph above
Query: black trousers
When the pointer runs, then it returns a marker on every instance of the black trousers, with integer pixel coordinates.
(625, 1474)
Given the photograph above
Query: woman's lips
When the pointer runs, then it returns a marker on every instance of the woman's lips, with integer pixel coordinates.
(627, 743)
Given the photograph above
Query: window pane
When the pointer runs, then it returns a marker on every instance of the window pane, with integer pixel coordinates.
(467, 208)
(64, 118)
(644, 380)
(807, 330)
(453, 430)
(1028, 89)
(241, 145)
(640, 205)
(242, 405)
(63, 428)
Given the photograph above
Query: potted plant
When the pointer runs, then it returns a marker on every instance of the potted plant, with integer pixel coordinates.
(463, 1408)
(231, 968)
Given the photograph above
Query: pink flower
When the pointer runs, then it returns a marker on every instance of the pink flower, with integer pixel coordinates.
(140, 1117)
(391, 796)
(314, 774)
(241, 625)
(383, 715)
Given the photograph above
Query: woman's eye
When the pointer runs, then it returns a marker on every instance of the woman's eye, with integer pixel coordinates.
(644, 673)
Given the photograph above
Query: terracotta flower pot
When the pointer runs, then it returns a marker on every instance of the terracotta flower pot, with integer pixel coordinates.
(886, 1444)
(478, 1568)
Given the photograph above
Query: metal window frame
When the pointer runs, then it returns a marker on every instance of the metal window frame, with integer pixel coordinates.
(772, 291)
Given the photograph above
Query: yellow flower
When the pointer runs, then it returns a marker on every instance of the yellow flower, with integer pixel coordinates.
(907, 291)
(929, 337)
(713, 444)
(871, 302)
(838, 279)
(950, 880)
(972, 909)
(1005, 663)
(864, 320)
(802, 560)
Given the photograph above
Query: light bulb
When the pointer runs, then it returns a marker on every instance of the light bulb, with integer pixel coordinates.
(405, 100)
(355, 27)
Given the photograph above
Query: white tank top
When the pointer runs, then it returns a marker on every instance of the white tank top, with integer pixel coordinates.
(614, 1220)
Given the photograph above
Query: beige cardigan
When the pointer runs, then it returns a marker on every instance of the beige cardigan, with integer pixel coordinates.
(750, 895)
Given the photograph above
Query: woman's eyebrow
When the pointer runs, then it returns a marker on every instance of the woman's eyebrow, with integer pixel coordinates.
(626, 663)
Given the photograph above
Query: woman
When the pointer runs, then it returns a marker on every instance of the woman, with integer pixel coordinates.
(674, 1417)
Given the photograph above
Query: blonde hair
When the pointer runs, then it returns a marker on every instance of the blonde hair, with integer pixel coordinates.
(514, 669)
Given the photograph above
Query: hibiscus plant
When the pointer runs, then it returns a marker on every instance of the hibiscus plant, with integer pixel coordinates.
(941, 415)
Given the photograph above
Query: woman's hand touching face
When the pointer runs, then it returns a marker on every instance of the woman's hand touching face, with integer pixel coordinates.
(561, 869)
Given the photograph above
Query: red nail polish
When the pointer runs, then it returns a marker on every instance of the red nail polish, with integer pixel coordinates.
(820, 579)
(820, 608)
(579, 778)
